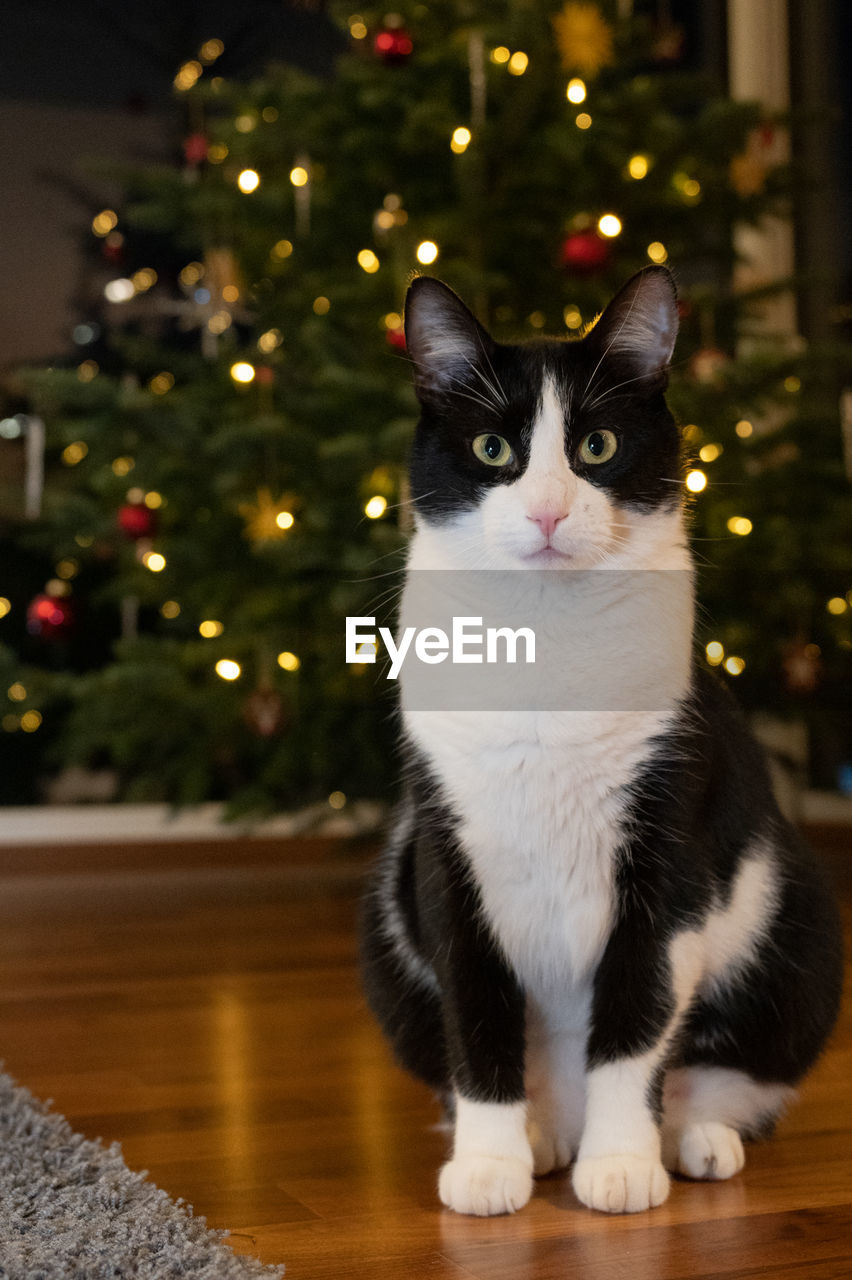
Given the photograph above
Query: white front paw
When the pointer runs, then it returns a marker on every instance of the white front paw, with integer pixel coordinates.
(485, 1185)
(620, 1184)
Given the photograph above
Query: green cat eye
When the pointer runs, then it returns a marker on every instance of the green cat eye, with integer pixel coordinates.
(494, 451)
(598, 446)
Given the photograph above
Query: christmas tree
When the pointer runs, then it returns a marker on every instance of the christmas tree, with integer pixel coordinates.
(226, 466)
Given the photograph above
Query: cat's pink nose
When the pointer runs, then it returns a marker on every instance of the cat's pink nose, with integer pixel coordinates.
(546, 521)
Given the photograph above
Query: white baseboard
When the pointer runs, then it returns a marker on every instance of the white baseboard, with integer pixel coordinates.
(119, 823)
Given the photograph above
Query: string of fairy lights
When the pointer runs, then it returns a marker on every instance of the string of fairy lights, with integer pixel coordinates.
(211, 305)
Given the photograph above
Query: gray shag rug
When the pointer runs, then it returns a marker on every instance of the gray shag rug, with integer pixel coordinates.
(70, 1209)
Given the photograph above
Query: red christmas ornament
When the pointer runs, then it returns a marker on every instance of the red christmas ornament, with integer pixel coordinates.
(49, 617)
(393, 45)
(195, 148)
(264, 376)
(585, 252)
(136, 521)
(396, 338)
(113, 248)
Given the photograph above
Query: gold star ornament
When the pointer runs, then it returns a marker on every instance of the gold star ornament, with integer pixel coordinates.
(584, 38)
(267, 518)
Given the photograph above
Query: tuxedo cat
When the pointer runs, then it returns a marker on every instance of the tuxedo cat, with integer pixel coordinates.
(592, 931)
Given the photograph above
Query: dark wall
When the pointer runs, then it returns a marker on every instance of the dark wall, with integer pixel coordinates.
(86, 85)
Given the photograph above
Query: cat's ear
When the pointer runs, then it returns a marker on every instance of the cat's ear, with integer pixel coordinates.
(443, 338)
(639, 327)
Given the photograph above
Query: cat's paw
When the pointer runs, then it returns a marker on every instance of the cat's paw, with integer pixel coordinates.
(710, 1150)
(620, 1184)
(551, 1149)
(485, 1185)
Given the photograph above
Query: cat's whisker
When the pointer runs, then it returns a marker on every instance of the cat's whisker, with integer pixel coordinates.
(493, 404)
(390, 593)
(403, 503)
(375, 577)
(470, 394)
(610, 391)
(411, 501)
(400, 551)
(496, 386)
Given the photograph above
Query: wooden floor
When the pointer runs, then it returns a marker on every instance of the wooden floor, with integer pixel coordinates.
(201, 1005)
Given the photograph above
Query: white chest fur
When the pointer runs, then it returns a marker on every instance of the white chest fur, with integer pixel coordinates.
(540, 817)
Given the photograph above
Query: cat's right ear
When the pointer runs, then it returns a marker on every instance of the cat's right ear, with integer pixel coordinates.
(445, 341)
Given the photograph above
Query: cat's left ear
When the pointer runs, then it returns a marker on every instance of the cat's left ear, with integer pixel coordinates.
(443, 338)
(639, 327)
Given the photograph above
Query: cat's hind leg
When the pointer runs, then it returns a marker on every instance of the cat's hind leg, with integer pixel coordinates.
(402, 991)
(708, 1111)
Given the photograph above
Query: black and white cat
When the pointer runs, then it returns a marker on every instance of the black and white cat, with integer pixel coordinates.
(591, 931)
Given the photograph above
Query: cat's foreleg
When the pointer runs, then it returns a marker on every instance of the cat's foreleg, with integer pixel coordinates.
(490, 1171)
(642, 990)
(491, 1167)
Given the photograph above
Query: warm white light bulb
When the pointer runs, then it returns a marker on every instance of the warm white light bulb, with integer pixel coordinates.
(228, 670)
(121, 290)
(248, 181)
(609, 225)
